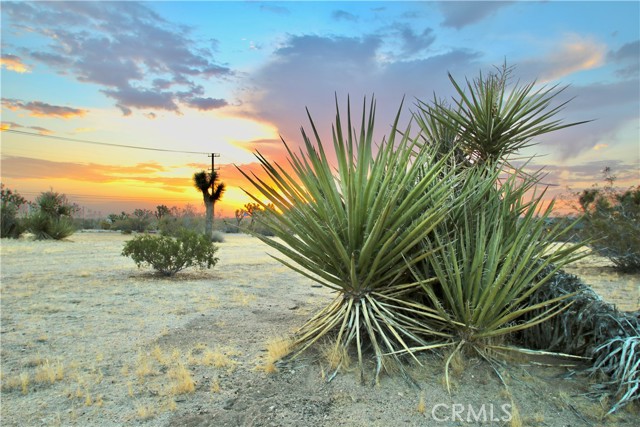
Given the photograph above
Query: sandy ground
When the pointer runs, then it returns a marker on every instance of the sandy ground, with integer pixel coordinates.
(88, 339)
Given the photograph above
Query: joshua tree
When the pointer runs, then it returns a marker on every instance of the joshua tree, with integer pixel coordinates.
(162, 211)
(212, 191)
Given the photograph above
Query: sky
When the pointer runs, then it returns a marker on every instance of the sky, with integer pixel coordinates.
(184, 79)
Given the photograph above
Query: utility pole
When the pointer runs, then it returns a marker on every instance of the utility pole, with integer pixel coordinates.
(213, 168)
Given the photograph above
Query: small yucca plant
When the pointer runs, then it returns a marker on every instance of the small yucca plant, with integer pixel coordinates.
(355, 229)
(487, 260)
(45, 227)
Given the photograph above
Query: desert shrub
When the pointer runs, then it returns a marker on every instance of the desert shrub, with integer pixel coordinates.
(11, 225)
(53, 218)
(168, 255)
(174, 225)
(611, 221)
(217, 237)
(256, 224)
(125, 226)
(170, 226)
(228, 227)
(141, 220)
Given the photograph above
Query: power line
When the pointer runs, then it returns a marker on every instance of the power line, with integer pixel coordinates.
(108, 144)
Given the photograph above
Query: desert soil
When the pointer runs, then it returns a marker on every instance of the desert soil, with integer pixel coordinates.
(90, 340)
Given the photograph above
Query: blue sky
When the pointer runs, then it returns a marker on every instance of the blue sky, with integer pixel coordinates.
(231, 77)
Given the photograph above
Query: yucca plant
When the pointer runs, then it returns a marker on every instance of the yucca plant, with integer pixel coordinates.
(488, 122)
(619, 358)
(488, 261)
(45, 227)
(494, 247)
(355, 227)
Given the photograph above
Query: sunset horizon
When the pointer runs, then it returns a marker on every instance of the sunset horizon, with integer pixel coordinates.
(118, 104)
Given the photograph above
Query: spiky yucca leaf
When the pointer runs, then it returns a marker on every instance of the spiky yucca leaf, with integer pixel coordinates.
(354, 228)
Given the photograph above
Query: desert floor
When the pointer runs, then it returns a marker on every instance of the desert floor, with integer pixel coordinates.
(88, 339)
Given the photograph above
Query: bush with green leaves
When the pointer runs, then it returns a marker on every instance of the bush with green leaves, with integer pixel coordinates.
(168, 255)
(611, 221)
(419, 235)
(53, 218)
(11, 225)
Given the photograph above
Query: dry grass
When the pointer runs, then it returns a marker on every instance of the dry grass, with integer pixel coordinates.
(144, 412)
(144, 366)
(47, 373)
(336, 357)
(215, 386)
(23, 379)
(217, 359)
(516, 419)
(243, 299)
(277, 348)
(422, 405)
(182, 380)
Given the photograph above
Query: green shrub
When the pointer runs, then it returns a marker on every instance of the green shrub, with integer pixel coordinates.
(168, 255)
(173, 225)
(11, 225)
(124, 225)
(217, 237)
(611, 219)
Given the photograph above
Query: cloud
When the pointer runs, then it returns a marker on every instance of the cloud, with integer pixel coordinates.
(274, 9)
(612, 107)
(585, 174)
(14, 125)
(343, 15)
(42, 109)
(35, 169)
(14, 63)
(628, 56)
(573, 54)
(413, 43)
(124, 47)
(308, 70)
(206, 104)
(131, 97)
(459, 14)
(126, 111)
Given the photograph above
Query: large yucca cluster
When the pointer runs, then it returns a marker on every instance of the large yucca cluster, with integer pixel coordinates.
(433, 237)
